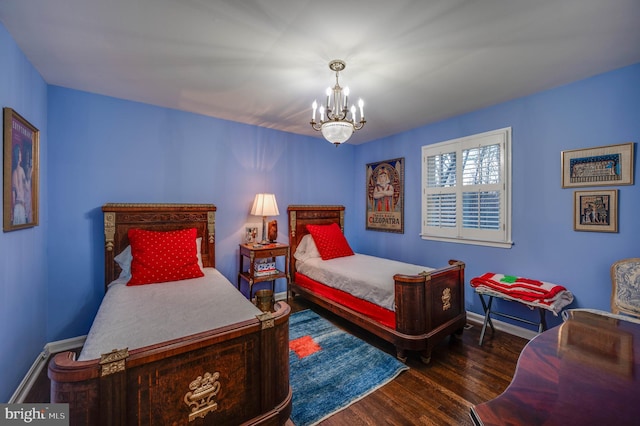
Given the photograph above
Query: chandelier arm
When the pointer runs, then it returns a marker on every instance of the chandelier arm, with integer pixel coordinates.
(360, 125)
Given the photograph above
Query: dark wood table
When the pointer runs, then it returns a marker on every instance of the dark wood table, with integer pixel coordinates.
(584, 371)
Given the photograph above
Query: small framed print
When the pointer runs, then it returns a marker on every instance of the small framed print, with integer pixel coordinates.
(21, 172)
(595, 211)
(250, 233)
(600, 166)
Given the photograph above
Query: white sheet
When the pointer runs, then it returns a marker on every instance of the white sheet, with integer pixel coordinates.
(366, 277)
(138, 316)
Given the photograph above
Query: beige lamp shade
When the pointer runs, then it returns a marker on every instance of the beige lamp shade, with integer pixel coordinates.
(265, 205)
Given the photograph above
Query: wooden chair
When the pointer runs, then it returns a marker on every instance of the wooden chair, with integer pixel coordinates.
(625, 287)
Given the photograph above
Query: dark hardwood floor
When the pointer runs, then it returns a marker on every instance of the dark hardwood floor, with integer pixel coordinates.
(461, 374)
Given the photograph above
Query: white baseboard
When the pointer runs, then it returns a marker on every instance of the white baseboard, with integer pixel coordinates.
(65, 345)
(502, 326)
(25, 386)
(68, 344)
(27, 383)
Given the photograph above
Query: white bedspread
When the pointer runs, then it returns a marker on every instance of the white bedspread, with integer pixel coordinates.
(366, 277)
(138, 316)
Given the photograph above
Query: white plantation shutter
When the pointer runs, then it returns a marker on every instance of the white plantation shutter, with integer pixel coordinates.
(441, 197)
(441, 210)
(466, 189)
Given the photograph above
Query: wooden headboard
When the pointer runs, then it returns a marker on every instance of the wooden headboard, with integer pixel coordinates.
(120, 217)
(302, 215)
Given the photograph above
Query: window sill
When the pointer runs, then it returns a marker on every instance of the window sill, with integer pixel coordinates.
(497, 244)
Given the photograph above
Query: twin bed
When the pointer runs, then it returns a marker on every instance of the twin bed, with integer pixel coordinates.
(174, 342)
(185, 348)
(410, 306)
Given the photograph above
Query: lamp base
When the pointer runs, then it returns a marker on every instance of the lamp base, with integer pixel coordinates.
(264, 231)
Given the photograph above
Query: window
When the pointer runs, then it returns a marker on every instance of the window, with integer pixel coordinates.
(466, 190)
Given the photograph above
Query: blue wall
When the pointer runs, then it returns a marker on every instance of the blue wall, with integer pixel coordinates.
(602, 110)
(23, 258)
(96, 149)
(111, 150)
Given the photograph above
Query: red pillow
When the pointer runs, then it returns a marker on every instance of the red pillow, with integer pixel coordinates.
(163, 256)
(330, 241)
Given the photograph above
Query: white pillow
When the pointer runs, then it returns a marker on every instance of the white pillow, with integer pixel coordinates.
(198, 250)
(306, 249)
(124, 259)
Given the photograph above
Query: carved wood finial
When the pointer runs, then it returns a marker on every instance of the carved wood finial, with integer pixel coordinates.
(211, 226)
(109, 230)
(292, 215)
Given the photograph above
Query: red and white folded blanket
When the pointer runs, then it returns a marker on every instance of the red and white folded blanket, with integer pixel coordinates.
(534, 293)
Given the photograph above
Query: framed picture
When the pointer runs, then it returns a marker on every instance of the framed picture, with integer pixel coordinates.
(251, 233)
(599, 166)
(21, 171)
(595, 211)
(385, 196)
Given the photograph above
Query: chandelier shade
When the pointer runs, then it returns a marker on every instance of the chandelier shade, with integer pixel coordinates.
(337, 132)
(337, 121)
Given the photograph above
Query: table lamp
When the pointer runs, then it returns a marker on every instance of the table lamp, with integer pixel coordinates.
(265, 205)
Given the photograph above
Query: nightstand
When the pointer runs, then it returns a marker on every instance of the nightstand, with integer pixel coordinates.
(262, 253)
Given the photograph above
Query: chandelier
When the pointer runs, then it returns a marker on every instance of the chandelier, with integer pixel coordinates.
(337, 120)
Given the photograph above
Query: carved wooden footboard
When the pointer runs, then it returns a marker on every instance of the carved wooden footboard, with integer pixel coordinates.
(234, 375)
(429, 307)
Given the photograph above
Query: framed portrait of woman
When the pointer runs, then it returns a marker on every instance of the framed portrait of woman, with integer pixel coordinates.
(385, 196)
(20, 173)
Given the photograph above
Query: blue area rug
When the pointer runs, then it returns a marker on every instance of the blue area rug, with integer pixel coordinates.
(331, 369)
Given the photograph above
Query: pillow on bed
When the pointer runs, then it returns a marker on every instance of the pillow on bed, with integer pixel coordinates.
(124, 260)
(163, 256)
(306, 249)
(330, 241)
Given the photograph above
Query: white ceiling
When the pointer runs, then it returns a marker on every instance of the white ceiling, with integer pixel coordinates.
(263, 62)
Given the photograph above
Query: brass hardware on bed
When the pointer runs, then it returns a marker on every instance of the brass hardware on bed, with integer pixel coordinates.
(446, 299)
(113, 361)
(266, 319)
(292, 227)
(211, 226)
(200, 397)
(109, 229)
